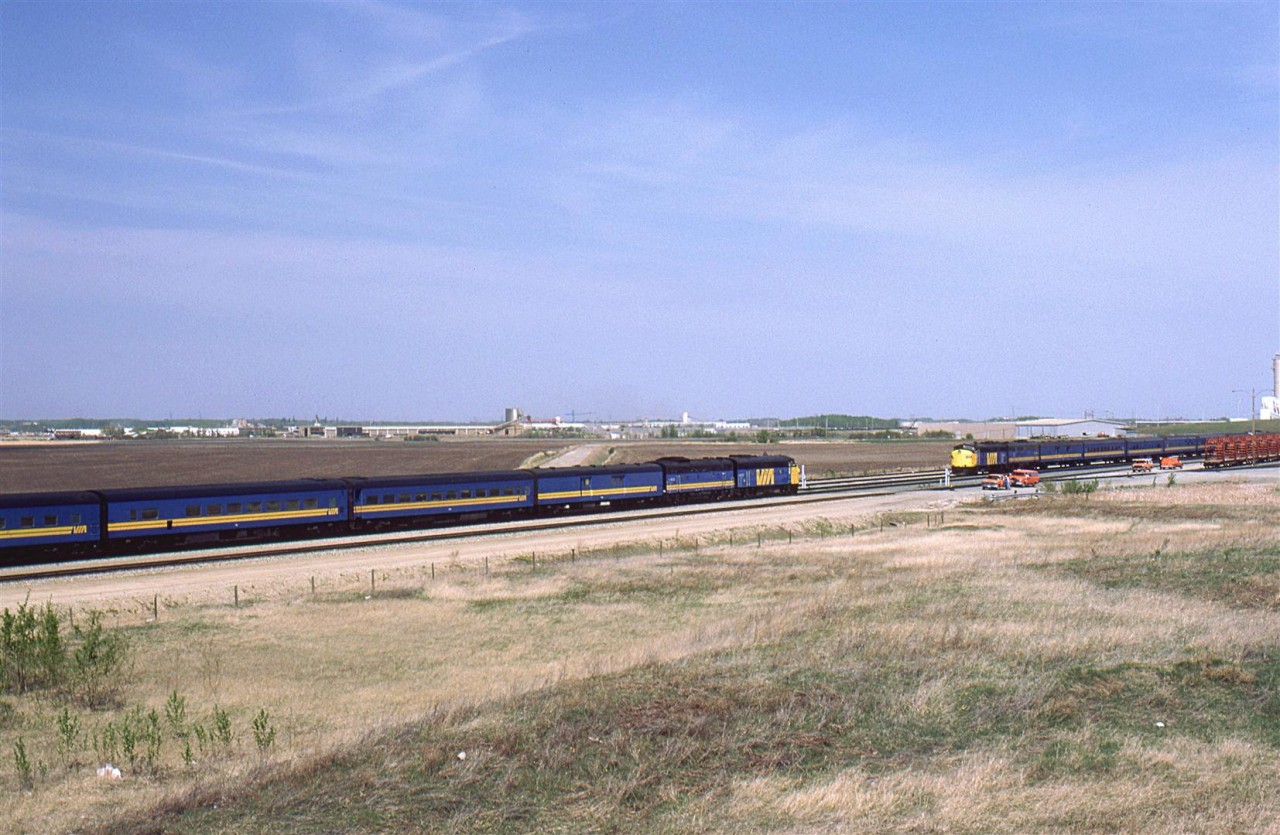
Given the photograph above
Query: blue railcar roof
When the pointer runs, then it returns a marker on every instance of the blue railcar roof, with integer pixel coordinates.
(47, 499)
(694, 465)
(616, 469)
(375, 482)
(244, 488)
(763, 460)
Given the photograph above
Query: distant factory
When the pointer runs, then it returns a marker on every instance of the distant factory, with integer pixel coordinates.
(1011, 430)
(1270, 409)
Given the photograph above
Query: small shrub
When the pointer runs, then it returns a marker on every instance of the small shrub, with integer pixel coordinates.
(128, 734)
(202, 737)
(22, 764)
(98, 657)
(32, 653)
(68, 734)
(175, 711)
(263, 733)
(111, 742)
(1078, 487)
(151, 736)
(221, 733)
(51, 653)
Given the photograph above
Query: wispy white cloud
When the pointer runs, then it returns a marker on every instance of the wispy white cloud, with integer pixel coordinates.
(1190, 206)
(385, 75)
(106, 146)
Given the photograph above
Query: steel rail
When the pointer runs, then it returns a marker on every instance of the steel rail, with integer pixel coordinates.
(820, 490)
(815, 490)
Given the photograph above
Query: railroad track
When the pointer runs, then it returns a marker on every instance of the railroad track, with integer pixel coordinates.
(814, 490)
(919, 478)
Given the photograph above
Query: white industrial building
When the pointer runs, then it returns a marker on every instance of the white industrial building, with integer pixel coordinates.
(1271, 405)
(1071, 428)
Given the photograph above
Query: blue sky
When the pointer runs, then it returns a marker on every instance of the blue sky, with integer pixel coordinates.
(434, 211)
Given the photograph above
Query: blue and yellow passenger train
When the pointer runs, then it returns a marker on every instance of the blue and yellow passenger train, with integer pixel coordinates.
(106, 522)
(1003, 456)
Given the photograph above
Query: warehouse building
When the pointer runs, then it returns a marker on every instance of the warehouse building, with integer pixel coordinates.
(1070, 428)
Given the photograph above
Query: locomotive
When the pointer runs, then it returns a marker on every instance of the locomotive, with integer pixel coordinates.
(122, 521)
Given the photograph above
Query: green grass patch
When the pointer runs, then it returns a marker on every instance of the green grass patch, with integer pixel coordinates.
(1245, 578)
(1082, 507)
(1203, 697)
(661, 747)
(676, 587)
(654, 748)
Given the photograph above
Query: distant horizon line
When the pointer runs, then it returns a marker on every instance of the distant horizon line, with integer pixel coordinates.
(268, 421)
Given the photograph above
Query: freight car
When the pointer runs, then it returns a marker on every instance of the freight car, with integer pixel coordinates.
(1003, 456)
(1235, 450)
(36, 526)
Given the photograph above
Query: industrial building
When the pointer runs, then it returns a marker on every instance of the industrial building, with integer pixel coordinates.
(1069, 428)
(1019, 430)
(1271, 405)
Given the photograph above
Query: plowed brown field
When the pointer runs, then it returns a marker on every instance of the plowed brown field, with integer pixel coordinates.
(95, 466)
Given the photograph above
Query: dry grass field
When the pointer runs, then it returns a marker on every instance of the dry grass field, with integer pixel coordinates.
(1102, 664)
(94, 466)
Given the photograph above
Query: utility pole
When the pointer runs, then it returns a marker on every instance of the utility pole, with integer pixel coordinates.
(1253, 408)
